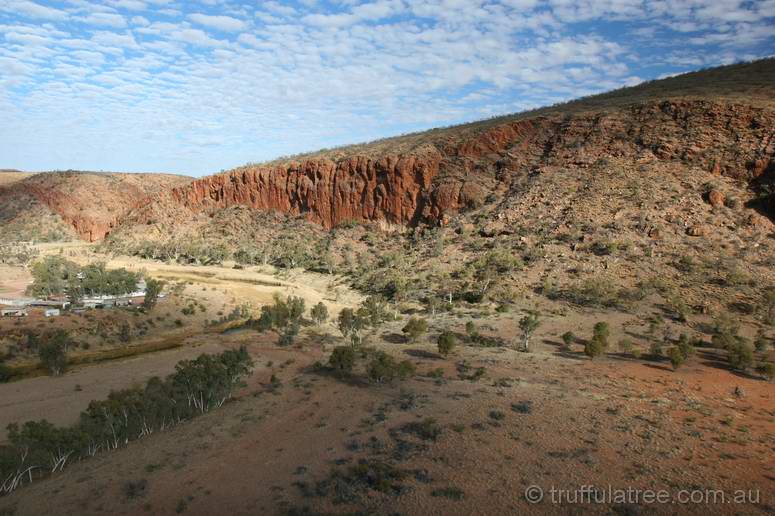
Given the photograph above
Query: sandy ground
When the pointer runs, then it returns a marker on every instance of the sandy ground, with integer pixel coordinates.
(615, 421)
(620, 422)
(13, 281)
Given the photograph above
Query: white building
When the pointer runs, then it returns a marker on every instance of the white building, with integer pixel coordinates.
(14, 312)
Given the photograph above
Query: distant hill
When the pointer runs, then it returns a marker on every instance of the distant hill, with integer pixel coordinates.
(73, 204)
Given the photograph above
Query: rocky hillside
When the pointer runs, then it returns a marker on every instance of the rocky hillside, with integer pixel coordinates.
(634, 197)
(86, 205)
(429, 176)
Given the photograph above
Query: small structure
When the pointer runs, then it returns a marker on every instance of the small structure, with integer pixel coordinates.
(14, 312)
(49, 304)
(123, 301)
(52, 312)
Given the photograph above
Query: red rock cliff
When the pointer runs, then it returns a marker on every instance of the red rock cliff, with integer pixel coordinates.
(460, 168)
(391, 189)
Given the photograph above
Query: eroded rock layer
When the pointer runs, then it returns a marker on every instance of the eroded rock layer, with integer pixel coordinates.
(458, 170)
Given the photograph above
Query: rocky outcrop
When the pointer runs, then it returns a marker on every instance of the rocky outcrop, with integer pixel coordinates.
(461, 170)
(391, 189)
(716, 198)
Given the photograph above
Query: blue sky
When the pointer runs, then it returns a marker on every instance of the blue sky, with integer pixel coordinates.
(198, 86)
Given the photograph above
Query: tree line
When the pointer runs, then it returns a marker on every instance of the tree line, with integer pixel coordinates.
(40, 448)
(55, 275)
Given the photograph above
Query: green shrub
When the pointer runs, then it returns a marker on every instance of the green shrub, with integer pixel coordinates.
(767, 370)
(342, 359)
(679, 307)
(761, 343)
(528, 325)
(125, 333)
(740, 354)
(319, 313)
(676, 357)
(472, 331)
(685, 347)
(568, 338)
(497, 415)
(351, 325)
(593, 292)
(427, 429)
(265, 321)
(135, 489)
(595, 347)
(446, 343)
(53, 352)
(289, 334)
(415, 328)
(602, 331)
(687, 264)
(152, 290)
(384, 368)
(655, 349)
(453, 493)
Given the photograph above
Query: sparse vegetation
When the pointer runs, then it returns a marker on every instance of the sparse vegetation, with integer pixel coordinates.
(568, 338)
(383, 368)
(53, 352)
(528, 324)
(415, 328)
(598, 344)
(342, 360)
(446, 343)
(319, 313)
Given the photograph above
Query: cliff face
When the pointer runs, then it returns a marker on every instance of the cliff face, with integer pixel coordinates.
(445, 175)
(390, 189)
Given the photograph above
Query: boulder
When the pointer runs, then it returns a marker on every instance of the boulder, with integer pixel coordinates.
(716, 198)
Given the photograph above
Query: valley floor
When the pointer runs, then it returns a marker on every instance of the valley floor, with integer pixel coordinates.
(551, 418)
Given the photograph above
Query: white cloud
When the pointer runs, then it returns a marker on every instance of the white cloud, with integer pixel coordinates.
(130, 5)
(32, 10)
(222, 23)
(105, 20)
(257, 79)
(27, 39)
(114, 39)
(195, 37)
(141, 21)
